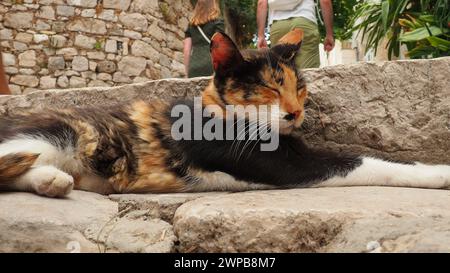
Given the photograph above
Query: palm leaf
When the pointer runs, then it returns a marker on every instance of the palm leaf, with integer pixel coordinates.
(420, 34)
(421, 51)
(439, 43)
(385, 14)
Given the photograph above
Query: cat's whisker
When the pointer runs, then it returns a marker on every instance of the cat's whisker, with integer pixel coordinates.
(247, 142)
(237, 141)
(258, 141)
(244, 133)
(248, 125)
(260, 125)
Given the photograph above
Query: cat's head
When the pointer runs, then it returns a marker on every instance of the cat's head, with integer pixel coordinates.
(259, 77)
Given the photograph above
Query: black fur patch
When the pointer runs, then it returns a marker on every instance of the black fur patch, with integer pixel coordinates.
(114, 144)
(56, 132)
(292, 164)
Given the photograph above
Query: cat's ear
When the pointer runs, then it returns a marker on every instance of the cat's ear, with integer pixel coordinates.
(224, 53)
(289, 45)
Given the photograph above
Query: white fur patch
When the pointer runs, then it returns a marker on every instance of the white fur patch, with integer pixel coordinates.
(376, 172)
(45, 180)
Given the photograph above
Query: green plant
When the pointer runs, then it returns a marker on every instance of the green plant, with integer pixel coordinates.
(343, 13)
(98, 45)
(242, 19)
(422, 25)
(167, 13)
(424, 38)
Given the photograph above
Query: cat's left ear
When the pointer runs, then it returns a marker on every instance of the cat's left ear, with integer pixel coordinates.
(224, 53)
(289, 45)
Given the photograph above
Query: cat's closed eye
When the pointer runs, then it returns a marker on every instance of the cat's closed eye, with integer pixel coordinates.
(268, 86)
(271, 88)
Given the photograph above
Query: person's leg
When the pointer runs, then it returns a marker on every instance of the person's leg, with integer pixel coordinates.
(308, 56)
(4, 88)
(278, 29)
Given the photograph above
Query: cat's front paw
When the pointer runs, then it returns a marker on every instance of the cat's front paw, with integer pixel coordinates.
(53, 183)
(437, 175)
(444, 175)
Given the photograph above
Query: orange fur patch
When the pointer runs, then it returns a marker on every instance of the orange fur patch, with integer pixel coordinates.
(294, 36)
(88, 138)
(152, 175)
(14, 165)
(210, 96)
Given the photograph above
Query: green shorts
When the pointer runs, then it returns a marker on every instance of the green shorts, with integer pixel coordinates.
(308, 56)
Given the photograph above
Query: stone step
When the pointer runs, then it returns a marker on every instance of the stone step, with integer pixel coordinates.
(352, 219)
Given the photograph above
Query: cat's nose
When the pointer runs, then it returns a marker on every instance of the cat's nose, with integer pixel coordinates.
(292, 116)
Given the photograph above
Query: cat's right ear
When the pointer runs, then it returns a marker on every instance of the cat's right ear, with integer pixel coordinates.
(289, 45)
(224, 53)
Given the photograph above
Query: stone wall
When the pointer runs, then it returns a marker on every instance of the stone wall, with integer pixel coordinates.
(77, 43)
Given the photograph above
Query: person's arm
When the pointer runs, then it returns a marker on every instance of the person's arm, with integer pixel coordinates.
(4, 88)
(327, 14)
(187, 53)
(261, 18)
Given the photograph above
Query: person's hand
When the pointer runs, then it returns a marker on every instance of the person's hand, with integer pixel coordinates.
(328, 43)
(261, 42)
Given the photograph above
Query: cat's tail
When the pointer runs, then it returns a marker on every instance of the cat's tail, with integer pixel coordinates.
(14, 165)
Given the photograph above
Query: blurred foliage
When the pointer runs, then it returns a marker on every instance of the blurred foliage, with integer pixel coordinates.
(422, 25)
(343, 13)
(242, 15)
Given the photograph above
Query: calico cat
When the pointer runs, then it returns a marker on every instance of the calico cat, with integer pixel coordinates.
(131, 148)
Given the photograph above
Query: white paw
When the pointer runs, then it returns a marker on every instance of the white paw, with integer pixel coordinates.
(438, 175)
(52, 182)
(443, 174)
